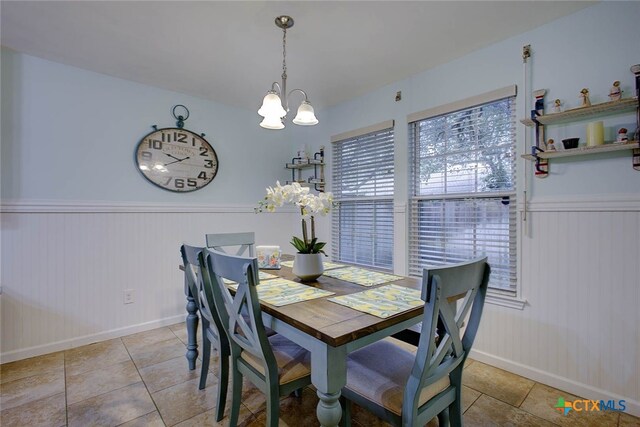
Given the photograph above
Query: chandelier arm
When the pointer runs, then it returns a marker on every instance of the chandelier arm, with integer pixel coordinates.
(306, 98)
(275, 87)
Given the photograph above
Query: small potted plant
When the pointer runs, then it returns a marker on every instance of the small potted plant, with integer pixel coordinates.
(307, 264)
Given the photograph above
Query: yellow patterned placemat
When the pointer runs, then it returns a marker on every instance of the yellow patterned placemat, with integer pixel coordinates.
(383, 302)
(262, 276)
(281, 292)
(328, 265)
(360, 276)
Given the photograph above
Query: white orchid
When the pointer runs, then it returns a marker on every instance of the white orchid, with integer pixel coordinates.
(309, 205)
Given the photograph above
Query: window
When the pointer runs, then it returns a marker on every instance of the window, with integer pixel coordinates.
(464, 201)
(362, 183)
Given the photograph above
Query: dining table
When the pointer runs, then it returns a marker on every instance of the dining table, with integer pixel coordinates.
(328, 330)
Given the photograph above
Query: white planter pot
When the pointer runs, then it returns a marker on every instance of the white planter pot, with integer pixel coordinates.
(308, 267)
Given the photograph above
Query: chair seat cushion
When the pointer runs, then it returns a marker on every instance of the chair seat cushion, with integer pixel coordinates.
(379, 373)
(293, 361)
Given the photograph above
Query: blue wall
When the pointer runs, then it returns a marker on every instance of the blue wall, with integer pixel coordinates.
(70, 134)
(591, 48)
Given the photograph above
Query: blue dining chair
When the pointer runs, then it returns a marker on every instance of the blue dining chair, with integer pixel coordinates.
(213, 333)
(408, 386)
(274, 364)
(245, 242)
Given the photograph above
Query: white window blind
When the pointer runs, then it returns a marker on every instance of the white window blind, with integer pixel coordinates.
(362, 184)
(464, 201)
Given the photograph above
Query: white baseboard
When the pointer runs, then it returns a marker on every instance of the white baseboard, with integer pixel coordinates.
(556, 381)
(39, 350)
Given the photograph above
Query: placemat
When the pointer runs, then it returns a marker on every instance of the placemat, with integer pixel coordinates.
(328, 265)
(281, 292)
(382, 302)
(262, 276)
(360, 276)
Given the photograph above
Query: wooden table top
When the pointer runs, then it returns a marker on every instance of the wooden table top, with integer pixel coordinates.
(333, 323)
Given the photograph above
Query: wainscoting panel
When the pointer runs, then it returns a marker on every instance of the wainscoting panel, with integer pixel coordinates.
(580, 274)
(64, 273)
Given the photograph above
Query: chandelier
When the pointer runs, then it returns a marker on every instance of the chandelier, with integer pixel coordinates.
(275, 104)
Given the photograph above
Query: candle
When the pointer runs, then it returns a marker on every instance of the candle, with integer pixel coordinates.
(595, 134)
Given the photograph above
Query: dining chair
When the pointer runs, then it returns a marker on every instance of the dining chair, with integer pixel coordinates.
(213, 333)
(275, 365)
(244, 241)
(408, 386)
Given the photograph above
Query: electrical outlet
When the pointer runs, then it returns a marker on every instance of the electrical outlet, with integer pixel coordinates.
(129, 296)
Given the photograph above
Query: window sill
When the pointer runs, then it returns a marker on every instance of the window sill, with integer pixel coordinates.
(505, 300)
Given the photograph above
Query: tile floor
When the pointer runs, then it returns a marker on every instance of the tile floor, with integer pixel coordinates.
(143, 380)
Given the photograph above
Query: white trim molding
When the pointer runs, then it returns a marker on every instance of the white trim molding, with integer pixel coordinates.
(590, 203)
(72, 206)
(24, 353)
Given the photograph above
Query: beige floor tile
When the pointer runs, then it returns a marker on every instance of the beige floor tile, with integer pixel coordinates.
(152, 419)
(29, 389)
(363, 417)
(490, 412)
(178, 326)
(502, 385)
(143, 340)
(113, 408)
(158, 352)
(88, 357)
(183, 401)
(32, 366)
(469, 396)
(48, 412)
(627, 420)
(171, 372)
(208, 418)
(99, 381)
(252, 397)
(542, 399)
(299, 411)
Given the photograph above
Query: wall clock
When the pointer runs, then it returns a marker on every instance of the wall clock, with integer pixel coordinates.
(177, 159)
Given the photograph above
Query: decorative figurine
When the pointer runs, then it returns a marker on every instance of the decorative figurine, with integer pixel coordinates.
(622, 135)
(584, 94)
(615, 93)
(557, 106)
(550, 145)
(539, 106)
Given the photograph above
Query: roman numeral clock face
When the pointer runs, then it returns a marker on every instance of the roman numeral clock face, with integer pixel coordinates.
(177, 160)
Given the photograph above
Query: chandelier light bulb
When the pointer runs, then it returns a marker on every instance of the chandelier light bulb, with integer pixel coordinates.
(272, 122)
(305, 116)
(272, 106)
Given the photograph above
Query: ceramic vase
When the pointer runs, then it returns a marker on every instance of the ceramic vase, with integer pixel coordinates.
(308, 267)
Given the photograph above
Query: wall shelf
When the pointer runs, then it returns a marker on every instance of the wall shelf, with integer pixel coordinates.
(299, 164)
(583, 151)
(605, 108)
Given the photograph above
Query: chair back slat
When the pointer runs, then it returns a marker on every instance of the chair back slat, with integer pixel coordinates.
(203, 294)
(241, 313)
(242, 241)
(450, 292)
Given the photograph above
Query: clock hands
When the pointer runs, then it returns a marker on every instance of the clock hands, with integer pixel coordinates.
(175, 161)
(173, 157)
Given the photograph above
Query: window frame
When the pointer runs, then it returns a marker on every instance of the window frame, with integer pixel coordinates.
(501, 296)
(353, 200)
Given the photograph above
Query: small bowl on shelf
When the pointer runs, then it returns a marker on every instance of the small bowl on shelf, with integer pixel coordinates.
(570, 143)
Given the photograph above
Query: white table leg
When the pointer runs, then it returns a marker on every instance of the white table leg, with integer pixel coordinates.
(329, 375)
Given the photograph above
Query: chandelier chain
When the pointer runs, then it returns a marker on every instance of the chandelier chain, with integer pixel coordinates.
(284, 53)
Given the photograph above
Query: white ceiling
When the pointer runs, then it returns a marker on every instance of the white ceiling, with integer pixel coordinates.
(231, 52)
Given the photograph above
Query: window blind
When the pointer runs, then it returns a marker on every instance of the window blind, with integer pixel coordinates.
(464, 202)
(363, 186)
